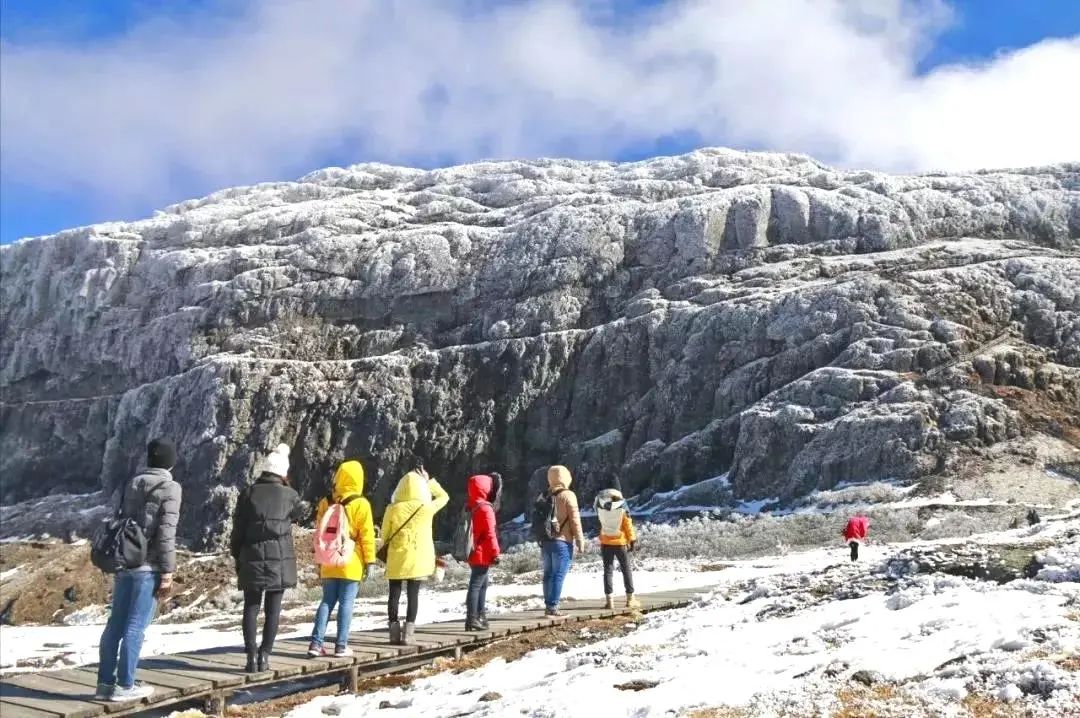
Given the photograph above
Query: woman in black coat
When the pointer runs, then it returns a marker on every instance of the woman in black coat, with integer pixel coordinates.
(262, 546)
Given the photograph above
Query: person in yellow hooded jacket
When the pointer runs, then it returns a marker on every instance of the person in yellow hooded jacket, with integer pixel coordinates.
(340, 584)
(410, 556)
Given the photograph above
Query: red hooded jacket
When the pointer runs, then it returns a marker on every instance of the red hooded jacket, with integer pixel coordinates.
(856, 529)
(485, 536)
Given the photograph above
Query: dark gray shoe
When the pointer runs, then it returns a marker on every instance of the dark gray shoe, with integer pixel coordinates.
(395, 633)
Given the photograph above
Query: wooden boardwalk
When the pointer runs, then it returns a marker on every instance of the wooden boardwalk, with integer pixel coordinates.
(211, 675)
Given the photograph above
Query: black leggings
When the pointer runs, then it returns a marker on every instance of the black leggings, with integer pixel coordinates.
(271, 601)
(412, 590)
(610, 554)
(854, 550)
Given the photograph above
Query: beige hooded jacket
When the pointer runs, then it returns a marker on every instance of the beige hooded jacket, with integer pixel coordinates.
(566, 506)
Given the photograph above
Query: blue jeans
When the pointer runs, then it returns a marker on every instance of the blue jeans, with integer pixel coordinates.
(133, 608)
(476, 596)
(558, 555)
(338, 592)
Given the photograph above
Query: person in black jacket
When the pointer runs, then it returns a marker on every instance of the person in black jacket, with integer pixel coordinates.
(262, 546)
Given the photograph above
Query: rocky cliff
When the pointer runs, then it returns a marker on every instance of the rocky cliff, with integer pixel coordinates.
(762, 315)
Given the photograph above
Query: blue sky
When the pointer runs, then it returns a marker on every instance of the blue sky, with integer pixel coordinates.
(113, 109)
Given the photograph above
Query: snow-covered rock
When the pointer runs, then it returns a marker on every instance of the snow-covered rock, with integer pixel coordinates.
(759, 315)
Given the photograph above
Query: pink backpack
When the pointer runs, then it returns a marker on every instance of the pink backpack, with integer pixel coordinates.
(333, 536)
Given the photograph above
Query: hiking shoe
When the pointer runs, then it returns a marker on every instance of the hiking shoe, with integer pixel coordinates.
(314, 650)
(552, 612)
(342, 652)
(483, 620)
(395, 633)
(632, 602)
(609, 602)
(104, 691)
(136, 693)
(473, 624)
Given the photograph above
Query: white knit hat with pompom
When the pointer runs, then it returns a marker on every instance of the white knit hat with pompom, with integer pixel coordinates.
(277, 462)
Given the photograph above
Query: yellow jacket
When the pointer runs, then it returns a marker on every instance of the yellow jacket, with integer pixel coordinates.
(349, 481)
(412, 548)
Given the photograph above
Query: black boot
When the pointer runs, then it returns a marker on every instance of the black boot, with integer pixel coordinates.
(483, 620)
(264, 661)
(251, 663)
(472, 623)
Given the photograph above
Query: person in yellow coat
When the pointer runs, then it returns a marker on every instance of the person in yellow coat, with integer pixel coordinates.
(410, 556)
(340, 584)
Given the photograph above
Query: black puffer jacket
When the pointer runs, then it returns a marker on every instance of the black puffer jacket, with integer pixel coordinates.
(262, 541)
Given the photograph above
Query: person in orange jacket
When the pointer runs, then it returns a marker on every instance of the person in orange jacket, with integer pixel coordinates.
(617, 539)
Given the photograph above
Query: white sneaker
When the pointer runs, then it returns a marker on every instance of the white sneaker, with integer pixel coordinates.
(342, 652)
(136, 693)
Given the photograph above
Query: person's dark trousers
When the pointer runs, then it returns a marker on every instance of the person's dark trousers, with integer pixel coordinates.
(854, 550)
(271, 603)
(476, 598)
(412, 590)
(610, 554)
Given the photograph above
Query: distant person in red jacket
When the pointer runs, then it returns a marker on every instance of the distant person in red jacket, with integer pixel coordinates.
(483, 498)
(855, 534)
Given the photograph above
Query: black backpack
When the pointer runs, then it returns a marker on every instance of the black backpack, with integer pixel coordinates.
(545, 524)
(119, 543)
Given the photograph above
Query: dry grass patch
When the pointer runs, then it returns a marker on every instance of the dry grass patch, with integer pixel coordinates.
(979, 706)
(719, 712)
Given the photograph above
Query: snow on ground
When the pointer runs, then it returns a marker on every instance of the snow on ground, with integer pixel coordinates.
(782, 636)
(30, 647)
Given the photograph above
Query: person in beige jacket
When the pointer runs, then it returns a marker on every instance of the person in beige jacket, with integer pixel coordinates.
(561, 534)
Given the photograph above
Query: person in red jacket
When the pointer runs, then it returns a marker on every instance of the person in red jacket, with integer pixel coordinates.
(855, 533)
(483, 499)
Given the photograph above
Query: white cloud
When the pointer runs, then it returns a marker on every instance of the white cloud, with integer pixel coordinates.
(271, 89)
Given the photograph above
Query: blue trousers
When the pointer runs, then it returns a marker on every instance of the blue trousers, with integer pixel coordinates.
(338, 592)
(558, 555)
(133, 608)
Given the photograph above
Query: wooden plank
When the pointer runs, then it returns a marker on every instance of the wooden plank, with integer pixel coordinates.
(231, 659)
(318, 664)
(51, 683)
(52, 702)
(210, 673)
(86, 685)
(448, 636)
(497, 630)
(385, 650)
(14, 710)
(169, 685)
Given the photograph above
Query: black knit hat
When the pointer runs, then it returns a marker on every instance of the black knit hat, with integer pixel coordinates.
(160, 454)
(612, 482)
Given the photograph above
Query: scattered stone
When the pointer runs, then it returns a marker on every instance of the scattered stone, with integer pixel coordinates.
(637, 685)
(867, 678)
(490, 697)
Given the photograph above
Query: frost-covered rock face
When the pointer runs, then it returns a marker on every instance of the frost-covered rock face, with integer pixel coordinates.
(670, 320)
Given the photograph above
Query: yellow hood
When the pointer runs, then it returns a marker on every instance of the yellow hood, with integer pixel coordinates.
(412, 487)
(559, 478)
(348, 480)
